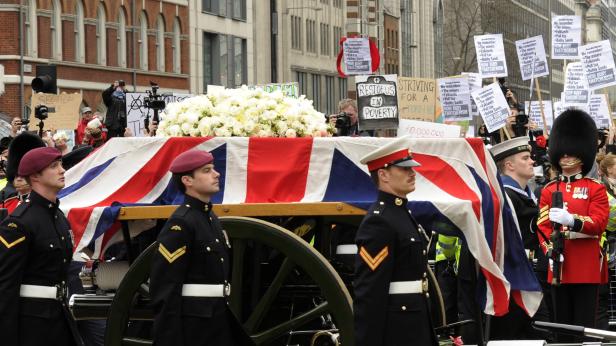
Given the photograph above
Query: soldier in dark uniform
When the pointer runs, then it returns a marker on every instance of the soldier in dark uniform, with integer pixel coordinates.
(391, 287)
(35, 252)
(189, 280)
(581, 220)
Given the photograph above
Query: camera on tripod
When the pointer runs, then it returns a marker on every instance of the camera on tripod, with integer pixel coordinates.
(154, 100)
(41, 112)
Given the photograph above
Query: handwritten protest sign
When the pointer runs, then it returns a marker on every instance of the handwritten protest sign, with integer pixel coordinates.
(492, 106)
(455, 98)
(425, 129)
(136, 112)
(377, 102)
(599, 111)
(598, 63)
(417, 98)
(576, 86)
(566, 37)
(474, 83)
(531, 51)
(533, 110)
(357, 56)
(288, 89)
(491, 55)
(63, 111)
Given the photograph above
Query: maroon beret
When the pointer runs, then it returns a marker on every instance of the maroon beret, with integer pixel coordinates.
(190, 160)
(37, 159)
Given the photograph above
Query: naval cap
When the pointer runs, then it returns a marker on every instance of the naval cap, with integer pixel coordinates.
(510, 147)
(190, 160)
(37, 159)
(395, 153)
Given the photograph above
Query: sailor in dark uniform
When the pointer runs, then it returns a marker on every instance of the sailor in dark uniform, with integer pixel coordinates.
(391, 287)
(189, 279)
(35, 252)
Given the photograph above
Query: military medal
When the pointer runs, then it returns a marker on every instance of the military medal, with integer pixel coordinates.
(575, 193)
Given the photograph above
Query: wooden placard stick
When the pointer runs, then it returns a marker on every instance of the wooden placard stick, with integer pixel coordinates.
(545, 124)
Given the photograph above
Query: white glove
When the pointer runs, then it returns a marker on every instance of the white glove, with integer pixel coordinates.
(561, 216)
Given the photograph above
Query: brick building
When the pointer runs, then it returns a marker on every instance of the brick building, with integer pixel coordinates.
(93, 43)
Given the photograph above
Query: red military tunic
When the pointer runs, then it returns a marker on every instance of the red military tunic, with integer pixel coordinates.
(586, 199)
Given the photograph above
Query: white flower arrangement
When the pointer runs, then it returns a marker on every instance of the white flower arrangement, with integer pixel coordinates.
(243, 112)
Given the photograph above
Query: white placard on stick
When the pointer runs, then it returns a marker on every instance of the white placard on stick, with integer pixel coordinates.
(566, 37)
(137, 113)
(531, 51)
(491, 55)
(455, 98)
(533, 110)
(474, 83)
(598, 63)
(425, 129)
(357, 59)
(599, 111)
(576, 87)
(492, 106)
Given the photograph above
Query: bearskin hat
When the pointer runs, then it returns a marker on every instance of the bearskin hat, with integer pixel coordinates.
(20, 145)
(575, 134)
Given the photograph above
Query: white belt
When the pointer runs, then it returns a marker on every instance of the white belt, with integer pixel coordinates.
(201, 290)
(346, 249)
(36, 291)
(578, 235)
(408, 287)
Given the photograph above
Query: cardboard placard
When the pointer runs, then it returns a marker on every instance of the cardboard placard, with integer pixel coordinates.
(492, 106)
(425, 129)
(357, 59)
(377, 102)
(599, 111)
(531, 51)
(533, 110)
(136, 112)
(491, 55)
(598, 63)
(64, 111)
(566, 37)
(417, 98)
(455, 98)
(576, 86)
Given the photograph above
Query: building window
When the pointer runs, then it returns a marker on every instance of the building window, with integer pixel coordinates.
(326, 2)
(223, 57)
(239, 9)
(143, 41)
(296, 32)
(101, 36)
(311, 40)
(176, 46)
(302, 81)
(210, 63)
(337, 37)
(342, 88)
(338, 3)
(225, 60)
(330, 99)
(80, 41)
(325, 37)
(316, 91)
(121, 38)
(239, 61)
(56, 30)
(31, 30)
(160, 43)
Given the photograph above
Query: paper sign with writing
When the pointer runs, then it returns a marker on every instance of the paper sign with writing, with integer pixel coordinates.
(599, 111)
(531, 51)
(455, 98)
(288, 89)
(566, 37)
(377, 102)
(63, 110)
(137, 113)
(474, 83)
(417, 98)
(357, 58)
(425, 129)
(491, 55)
(533, 111)
(576, 87)
(598, 63)
(492, 106)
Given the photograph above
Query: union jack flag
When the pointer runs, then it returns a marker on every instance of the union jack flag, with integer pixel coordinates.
(458, 192)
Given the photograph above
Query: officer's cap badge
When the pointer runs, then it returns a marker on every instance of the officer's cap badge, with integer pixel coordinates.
(12, 225)
(176, 228)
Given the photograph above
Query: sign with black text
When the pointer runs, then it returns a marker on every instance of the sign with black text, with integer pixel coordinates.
(377, 102)
(598, 63)
(455, 98)
(474, 83)
(576, 86)
(491, 55)
(357, 59)
(566, 37)
(136, 112)
(531, 51)
(492, 106)
(599, 111)
(533, 110)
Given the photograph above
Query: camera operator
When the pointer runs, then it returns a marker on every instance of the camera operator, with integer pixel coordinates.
(346, 120)
(114, 98)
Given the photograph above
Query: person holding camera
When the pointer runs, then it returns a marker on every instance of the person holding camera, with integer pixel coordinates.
(114, 98)
(346, 120)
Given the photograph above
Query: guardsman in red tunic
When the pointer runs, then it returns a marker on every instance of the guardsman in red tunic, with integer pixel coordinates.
(582, 219)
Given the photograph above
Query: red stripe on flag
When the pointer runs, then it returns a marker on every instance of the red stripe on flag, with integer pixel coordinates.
(517, 297)
(78, 219)
(445, 177)
(277, 169)
(499, 293)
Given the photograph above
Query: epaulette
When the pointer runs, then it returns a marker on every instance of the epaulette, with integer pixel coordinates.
(181, 210)
(595, 180)
(18, 212)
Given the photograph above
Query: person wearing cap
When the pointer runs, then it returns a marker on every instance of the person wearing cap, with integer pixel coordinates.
(390, 286)
(88, 130)
(190, 272)
(36, 248)
(581, 219)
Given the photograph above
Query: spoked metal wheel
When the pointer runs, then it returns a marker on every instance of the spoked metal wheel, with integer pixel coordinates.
(281, 286)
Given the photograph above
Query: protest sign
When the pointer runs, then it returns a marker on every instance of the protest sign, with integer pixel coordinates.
(566, 37)
(417, 98)
(598, 63)
(377, 102)
(599, 111)
(63, 111)
(491, 55)
(137, 113)
(531, 51)
(425, 129)
(533, 110)
(357, 59)
(288, 89)
(576, 87)
(492, 106)
(474, 83)
(455, 98)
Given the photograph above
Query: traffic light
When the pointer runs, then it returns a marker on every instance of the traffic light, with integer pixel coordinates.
(45, 81)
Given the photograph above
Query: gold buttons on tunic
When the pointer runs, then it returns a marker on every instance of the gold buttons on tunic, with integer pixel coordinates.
(403, 308)
(208, 248)
(398, 201)
(222, 259)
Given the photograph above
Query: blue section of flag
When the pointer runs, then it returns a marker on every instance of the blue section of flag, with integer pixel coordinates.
(85, 179)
